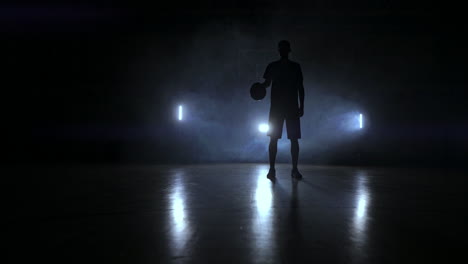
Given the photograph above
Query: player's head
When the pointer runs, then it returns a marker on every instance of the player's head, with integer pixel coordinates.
(284, 48)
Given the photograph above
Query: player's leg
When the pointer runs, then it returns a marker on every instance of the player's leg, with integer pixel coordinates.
(293, 127)
(295, 157)
(276, 129)
(294, 152)
(272, 150)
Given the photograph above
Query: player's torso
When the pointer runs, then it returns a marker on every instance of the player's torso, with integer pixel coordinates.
(284, 73)
(285, 76)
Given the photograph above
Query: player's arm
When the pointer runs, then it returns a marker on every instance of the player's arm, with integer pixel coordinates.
(267, 76)
(266, 83)
(301, 99)
(301, 93)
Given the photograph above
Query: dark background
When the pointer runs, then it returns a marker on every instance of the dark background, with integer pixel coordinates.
(101, 83)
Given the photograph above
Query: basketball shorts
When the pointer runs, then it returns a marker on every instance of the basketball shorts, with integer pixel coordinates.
(293, 127)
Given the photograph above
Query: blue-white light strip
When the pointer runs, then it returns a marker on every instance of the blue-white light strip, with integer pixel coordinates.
(180, 112)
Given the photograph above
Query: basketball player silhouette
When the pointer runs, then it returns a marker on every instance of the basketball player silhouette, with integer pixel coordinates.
(286, 80)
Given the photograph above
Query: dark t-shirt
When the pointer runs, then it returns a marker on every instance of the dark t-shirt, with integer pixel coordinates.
(286, 77)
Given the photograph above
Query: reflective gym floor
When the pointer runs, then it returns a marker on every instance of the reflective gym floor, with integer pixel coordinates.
(231, 213)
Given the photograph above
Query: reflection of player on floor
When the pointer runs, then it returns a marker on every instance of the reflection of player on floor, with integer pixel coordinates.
(285, 76)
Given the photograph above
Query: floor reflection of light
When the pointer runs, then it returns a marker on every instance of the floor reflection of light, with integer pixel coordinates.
(179, 224)
(360, 218)
(178, 212)
(263, 196)
(263, 217)
(361, 207)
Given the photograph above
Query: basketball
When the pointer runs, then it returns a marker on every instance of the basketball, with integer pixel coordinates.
(257, 91)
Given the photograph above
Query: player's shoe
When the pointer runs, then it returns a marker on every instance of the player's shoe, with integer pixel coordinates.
(296, 174)
(271, 174)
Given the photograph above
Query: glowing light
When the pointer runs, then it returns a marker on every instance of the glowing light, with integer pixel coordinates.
(263, 128)
(360, 121)
(180, 112)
